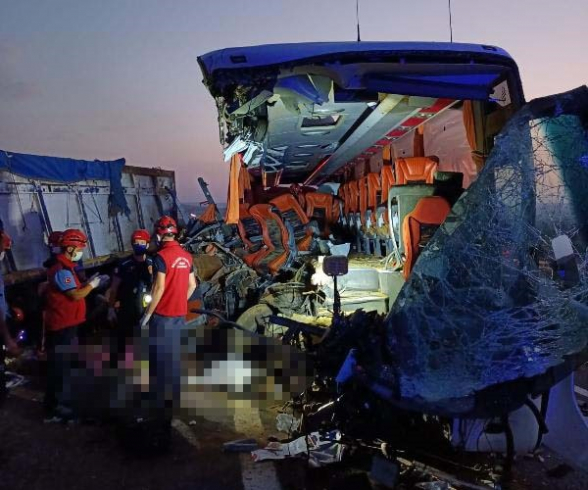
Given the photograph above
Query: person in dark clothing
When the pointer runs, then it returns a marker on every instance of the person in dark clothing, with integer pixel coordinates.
(130, 292)
(161, 330)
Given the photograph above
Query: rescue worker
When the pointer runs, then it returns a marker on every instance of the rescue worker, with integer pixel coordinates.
(53, 243)
(54, 250)
(7, 343)
(131, 290)
(174, 283)
(65, 311)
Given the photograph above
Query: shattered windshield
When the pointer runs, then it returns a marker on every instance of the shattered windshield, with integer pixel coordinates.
(501, 291)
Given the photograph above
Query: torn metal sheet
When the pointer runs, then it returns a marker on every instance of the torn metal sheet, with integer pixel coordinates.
(324, 104)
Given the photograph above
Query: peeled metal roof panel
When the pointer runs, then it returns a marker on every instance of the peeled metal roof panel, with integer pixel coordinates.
(271, 54)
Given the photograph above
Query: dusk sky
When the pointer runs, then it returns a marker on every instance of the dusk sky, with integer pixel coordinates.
(119, 78)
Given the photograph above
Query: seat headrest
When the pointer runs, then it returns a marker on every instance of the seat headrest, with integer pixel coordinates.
(319, 199)
(415, 170)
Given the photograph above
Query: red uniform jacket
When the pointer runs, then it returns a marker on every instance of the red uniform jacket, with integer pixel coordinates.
(176, 263)
(61, 311)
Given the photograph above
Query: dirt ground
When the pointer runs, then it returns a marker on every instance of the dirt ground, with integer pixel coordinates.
(38, 456)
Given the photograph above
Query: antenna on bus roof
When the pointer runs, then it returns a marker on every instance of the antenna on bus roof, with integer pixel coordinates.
(450, 24)
(357, 17)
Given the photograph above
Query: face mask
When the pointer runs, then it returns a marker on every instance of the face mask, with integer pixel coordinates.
(77, 256)
(139, 248)
(2, 254)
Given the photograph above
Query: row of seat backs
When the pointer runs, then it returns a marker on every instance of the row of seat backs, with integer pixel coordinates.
(255, 233)
(292, 213)
(418, 226)
(263, 229)
(404, 199)
(372, 190)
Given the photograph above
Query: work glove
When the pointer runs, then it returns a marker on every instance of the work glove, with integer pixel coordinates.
(94, 281)
(111, 316)
(99, 280)
(144, 323)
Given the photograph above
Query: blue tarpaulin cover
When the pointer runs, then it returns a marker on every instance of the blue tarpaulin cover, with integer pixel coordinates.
(69, 170)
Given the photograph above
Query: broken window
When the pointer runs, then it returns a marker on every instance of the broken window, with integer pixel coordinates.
(501, 290)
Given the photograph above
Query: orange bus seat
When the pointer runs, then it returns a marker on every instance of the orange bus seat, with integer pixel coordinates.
(291, 212)
(344, 194)
(386, 183)
(275, 238)
(374, 190)
(353, 196)
(251, 232)
(362, 187)
(420, 225)
(415, 170)
(319, 207)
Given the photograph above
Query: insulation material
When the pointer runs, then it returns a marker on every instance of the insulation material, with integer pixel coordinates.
(445, 137)
(359, 169)
(244, 183)
(232, 214)
(376, 162)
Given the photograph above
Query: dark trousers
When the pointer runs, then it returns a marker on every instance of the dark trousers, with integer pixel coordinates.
(128, 332)
(165, 334)
(60, 367)
(3, 389)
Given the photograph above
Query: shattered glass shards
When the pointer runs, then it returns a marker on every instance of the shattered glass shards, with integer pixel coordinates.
(501, 291)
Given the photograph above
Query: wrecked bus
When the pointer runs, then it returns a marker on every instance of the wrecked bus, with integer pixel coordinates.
(379, 125)
(462, 207)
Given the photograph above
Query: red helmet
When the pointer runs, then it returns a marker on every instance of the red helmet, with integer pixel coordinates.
(5, 241)
(140, 235)
(54, 238)
(73, 238)
(165, 225)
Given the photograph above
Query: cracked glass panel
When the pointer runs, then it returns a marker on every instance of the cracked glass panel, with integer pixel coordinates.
(501, 290)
